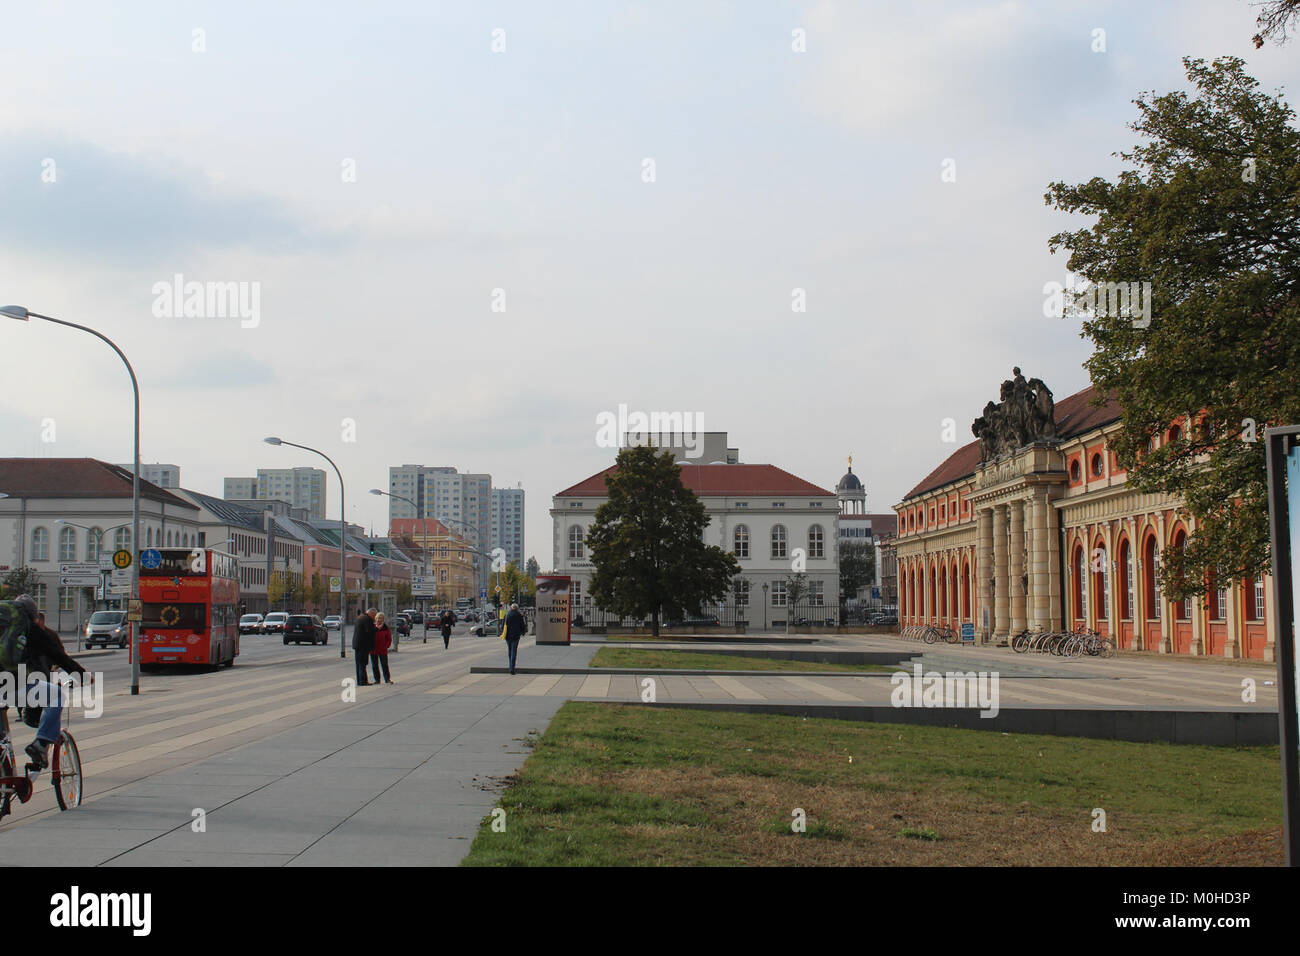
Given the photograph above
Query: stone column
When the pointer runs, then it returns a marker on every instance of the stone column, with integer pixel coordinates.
(1016, 565)
(984, 571)
(1001, 594)
(1040, 569)
(1234, 646)
(1139, 593)
(1055, 585)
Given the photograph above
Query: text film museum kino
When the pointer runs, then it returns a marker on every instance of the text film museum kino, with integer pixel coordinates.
(1033, 526)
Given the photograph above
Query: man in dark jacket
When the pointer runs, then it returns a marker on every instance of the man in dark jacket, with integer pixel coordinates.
(445, 622)
(44, 653)
(363, 643)
(515, 628)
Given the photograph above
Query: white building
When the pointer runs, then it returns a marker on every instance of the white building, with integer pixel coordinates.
(58, 511)
(762, 514)
(164, 476)
(508, 523)
(460, 500)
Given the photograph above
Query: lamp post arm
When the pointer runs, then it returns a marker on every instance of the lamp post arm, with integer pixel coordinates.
(343, 544)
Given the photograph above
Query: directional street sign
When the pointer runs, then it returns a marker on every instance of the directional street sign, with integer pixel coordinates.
(79, 580)
(105, 561)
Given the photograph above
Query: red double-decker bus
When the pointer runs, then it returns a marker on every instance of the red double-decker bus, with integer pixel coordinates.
(190, 607)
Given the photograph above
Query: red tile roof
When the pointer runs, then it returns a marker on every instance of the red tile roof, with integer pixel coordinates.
(712, 481)
(1074, 415)
(75, 478)
(411, 527)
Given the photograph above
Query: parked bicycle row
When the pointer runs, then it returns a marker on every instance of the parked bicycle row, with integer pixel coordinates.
(931, 633)
(1080, 643)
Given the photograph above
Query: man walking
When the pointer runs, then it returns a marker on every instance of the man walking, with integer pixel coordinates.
(363, 643)
(515, 628)
(445, 622)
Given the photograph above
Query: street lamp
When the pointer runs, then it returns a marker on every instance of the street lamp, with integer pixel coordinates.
(765, 587)
(343, 540)
(23, 315)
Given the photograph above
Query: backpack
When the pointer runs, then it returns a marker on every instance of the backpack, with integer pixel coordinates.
(13, 636)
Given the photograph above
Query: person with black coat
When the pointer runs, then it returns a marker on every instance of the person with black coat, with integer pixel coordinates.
(363, 643)
(44, 653)
(445, 622)
(516, 626)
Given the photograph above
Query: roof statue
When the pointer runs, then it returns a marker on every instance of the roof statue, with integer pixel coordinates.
(1025, 414)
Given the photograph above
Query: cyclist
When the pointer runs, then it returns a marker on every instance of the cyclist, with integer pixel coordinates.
(45, 651)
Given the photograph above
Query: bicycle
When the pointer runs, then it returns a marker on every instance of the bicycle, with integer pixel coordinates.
(65, 769)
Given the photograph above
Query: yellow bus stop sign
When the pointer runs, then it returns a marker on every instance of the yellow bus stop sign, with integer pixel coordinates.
(121, 558)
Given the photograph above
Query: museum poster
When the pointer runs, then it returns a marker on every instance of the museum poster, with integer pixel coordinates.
(553, 608)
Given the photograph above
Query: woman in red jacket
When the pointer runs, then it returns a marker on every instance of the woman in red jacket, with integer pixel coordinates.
(383, 641)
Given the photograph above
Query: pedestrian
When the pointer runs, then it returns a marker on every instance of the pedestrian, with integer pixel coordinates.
(383, 641)
(514, 630)
(363, 642)
(446, 621)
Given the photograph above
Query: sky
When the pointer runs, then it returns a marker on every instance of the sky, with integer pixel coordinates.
(462, 231)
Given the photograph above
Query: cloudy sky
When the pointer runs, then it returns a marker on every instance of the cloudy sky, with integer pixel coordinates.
(376, 172)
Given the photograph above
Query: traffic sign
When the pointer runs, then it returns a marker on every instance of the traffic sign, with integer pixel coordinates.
(150, 558)
(482, 594)
(135, 611)
(335, 584)
(121, 558)
(120, 578)
(79, 567)
(105, 561)
(79, 580)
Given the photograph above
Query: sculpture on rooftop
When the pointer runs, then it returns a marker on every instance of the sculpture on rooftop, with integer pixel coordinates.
(1025, 414)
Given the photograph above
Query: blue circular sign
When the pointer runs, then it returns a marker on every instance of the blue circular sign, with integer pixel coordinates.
(150, 558)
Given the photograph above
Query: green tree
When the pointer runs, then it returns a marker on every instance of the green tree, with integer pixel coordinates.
(796, 590)
(19, 581)
(857, 567)
(516, 584)
(1210, 218)
(647, 543)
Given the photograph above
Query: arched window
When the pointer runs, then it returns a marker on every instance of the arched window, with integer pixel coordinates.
(952, 590)
(942, 606)
(1074, 471)
(1175, 433)
(934, 592)
(965, 594)
(778, 541)
(1101, 582)
(67, 544)
(40, 544)
(1098, 466)
(93, 540)
(575, 542)
(740, 541)
(1079, 582)
(816, 542)
(1125, 581)
(1182, 609)
(902, 592)
(1151, 578)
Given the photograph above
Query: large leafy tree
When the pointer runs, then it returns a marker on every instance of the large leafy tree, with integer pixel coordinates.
(647, 543)
(857, 567)
(18, 581)
(1210, 215)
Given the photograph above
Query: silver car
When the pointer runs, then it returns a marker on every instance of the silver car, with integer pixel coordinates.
(107, 627)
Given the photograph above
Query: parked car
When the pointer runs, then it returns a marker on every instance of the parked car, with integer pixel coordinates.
(333, 622)
(107, 627)
(274, 622)
(305, 627)
(415, 617)
(884, 620)
(250, 624)
(401, 624)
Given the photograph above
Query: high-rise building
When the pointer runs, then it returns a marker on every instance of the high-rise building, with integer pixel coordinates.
(300, 487)
(508, 523)
(460, 500)
(164, 476)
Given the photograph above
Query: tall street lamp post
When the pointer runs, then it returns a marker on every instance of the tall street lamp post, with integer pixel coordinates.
(22, 314)
(343, 540)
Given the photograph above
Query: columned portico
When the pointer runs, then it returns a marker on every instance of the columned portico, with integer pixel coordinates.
(1040, 568)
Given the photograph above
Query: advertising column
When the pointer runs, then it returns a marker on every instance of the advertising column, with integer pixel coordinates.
(553, 608)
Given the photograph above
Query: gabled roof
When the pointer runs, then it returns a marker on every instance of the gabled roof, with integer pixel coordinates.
(713, 481)
(1075, 415)
(226, 512)
(75, 478)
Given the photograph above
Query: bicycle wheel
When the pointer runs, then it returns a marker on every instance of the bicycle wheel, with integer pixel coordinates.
(66, 771)
(930, 635)
(6, 770)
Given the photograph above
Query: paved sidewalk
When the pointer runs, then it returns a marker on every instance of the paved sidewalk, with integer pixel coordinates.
(402, 779)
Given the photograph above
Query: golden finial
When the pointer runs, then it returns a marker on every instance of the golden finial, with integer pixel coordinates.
(850, 462)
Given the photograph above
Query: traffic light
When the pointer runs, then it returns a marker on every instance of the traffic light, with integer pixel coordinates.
(372, 547)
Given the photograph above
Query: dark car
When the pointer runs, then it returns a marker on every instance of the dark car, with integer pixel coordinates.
(885, 620)
(416, 617)
(305, 627)
(401, 624)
